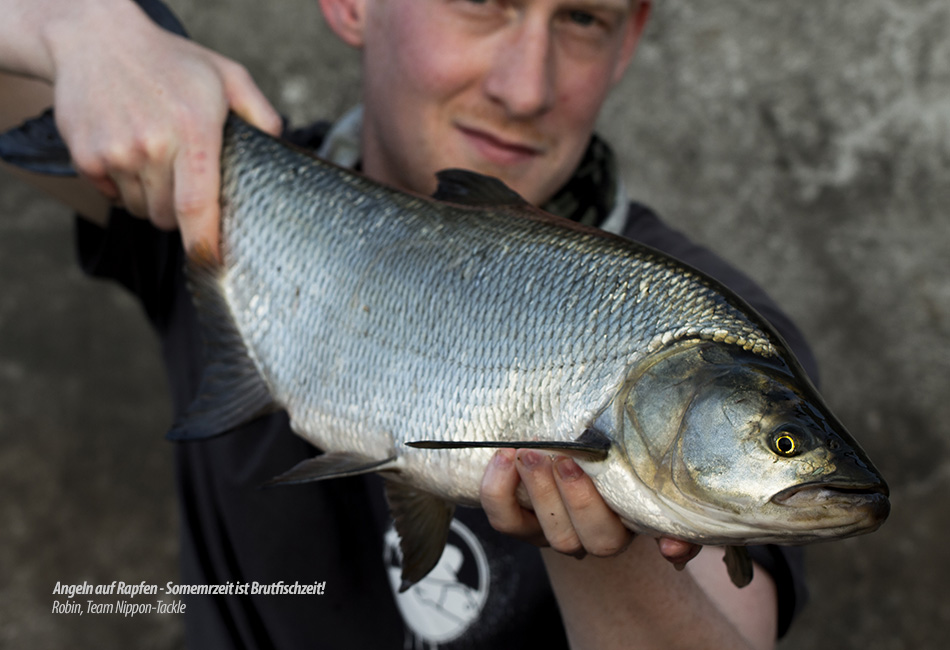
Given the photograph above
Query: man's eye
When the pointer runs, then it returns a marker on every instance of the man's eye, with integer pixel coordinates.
(481, 5)
(582, 18)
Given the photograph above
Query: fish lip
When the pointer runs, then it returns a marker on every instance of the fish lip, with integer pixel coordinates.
(806, 494)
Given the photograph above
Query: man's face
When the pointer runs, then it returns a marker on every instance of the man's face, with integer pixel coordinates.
(508, 88)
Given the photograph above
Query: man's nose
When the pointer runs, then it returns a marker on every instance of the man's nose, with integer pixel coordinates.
(522, 74)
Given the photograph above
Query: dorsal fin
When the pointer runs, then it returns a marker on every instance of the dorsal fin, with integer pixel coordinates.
(471, 188)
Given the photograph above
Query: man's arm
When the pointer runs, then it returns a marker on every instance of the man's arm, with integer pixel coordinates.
(141, 109)
(637, 600)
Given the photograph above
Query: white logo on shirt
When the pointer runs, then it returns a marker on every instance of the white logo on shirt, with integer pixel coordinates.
(441, 606)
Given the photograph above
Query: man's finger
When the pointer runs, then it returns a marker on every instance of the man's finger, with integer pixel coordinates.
(197, 183)
(599, 529)
(499, 500)
(677, 551)
(537, 473)
(247, 100)
(131, 193)
(157, 184)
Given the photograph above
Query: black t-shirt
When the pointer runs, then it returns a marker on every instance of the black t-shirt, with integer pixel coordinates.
(489, 591)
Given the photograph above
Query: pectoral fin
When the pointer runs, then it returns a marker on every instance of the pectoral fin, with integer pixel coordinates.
(330, 465)
(422, 521)
(591, 445)
(739, 565)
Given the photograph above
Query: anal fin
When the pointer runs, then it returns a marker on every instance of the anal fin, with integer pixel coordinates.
(422, 521)
(739, 565)
(330, 465)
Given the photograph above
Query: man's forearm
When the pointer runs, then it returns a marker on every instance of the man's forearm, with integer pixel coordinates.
(30, 30)
(638, 600)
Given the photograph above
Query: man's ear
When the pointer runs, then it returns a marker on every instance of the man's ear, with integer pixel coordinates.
(346, 18)
(638, 20)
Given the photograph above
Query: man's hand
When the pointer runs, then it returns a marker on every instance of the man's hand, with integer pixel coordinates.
(568, 514)
(627, 597)
(142, 110)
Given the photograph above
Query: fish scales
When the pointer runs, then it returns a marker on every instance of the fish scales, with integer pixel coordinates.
(425, 320)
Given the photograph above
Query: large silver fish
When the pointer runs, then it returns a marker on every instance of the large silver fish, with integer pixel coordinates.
(378, 319)
(411, 336)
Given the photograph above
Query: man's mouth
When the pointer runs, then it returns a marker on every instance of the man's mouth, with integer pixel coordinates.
(499, 149)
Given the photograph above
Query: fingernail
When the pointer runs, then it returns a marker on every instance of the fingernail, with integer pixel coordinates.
(567, 469)
(502, 458)
(530, 458)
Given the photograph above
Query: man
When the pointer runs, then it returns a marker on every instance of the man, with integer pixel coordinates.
(509, 88)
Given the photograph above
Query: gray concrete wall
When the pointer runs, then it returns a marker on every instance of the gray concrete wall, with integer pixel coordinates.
(807, 143)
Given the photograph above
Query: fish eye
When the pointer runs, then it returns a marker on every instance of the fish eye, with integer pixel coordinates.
(787, 442)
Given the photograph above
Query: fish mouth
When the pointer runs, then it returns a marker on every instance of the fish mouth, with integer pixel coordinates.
(870, 495)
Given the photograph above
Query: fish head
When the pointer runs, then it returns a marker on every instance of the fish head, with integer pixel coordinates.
(737, 447)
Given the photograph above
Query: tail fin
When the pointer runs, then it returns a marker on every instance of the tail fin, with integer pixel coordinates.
(163, 16)
(37, 146)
